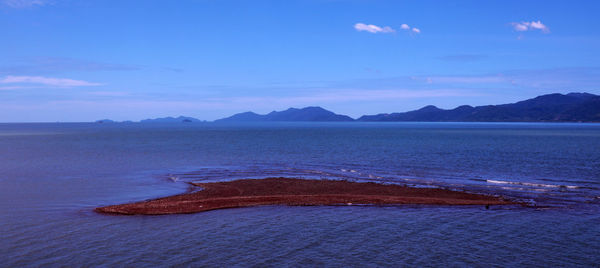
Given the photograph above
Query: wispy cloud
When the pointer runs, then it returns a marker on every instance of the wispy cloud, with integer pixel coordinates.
(23, 3)
(462, 57)
(386, 29)
(530, 26)
(109, 93)
(373, 28)
(46, 81)
(473, 79)
(558, 79)
(12, 87)
(348, 95)
(46, 65)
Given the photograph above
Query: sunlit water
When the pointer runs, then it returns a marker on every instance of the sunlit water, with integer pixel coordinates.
(53, 175)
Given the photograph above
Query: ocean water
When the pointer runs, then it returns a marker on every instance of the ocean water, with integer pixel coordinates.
(52, 176)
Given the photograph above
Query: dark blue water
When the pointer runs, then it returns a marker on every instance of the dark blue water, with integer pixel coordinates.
(53, 175)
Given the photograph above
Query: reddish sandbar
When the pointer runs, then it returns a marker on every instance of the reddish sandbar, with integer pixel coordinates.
(297, 192)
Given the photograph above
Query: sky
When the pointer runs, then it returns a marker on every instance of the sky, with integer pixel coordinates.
(74, 61)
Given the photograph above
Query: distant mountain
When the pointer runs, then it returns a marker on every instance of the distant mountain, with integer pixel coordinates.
(242, 117)
(572, 107)
(291, 114)
(105, 121)
(180, 119)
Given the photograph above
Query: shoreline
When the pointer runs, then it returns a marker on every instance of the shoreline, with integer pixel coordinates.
(298, 192)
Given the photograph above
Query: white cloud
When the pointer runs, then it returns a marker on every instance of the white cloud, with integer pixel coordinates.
(539, 25)
(519, 27)
(46, 81)
(387, 29)
(406, 27)
(23, 3)
(373, 28)
(529, 26)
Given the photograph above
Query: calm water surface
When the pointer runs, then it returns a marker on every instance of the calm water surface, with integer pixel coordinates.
(53, 175)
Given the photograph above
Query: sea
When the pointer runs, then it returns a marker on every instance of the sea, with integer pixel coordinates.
(53, 175)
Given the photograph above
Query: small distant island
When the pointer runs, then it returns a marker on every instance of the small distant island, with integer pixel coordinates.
(180, 119)
(572, 107)
(298, 192)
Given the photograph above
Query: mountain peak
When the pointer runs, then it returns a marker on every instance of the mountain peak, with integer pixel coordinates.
(311, 113)
(464, 107)
(313, 108)
(429, 108)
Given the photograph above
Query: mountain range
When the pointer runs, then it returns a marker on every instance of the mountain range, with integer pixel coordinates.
(572, 107)
(291, 114)
(180, 119)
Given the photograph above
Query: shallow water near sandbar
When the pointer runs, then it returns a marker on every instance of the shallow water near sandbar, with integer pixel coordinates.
(53, 175)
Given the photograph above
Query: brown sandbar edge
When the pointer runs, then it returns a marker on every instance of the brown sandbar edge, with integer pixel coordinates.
(298, 192)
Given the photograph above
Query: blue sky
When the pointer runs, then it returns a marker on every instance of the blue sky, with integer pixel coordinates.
(68, 60)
